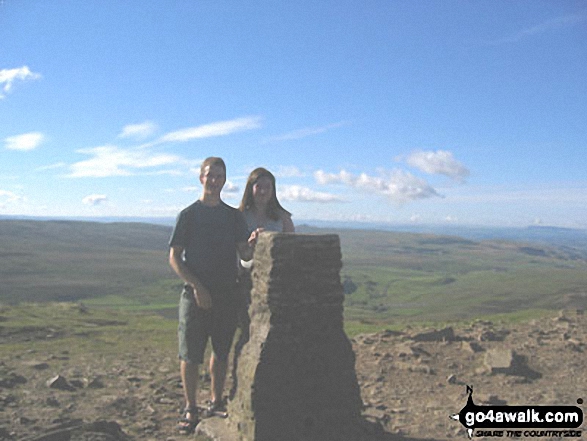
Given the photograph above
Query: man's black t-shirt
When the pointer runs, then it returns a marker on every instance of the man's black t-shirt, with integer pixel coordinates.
(209, 236)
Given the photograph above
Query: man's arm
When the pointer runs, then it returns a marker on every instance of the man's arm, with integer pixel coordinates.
(201, 293)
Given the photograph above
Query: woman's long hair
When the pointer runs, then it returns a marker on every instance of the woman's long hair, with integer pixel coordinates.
(274, 208)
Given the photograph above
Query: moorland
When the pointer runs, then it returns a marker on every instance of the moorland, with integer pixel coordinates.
(87, 343)
(389, 278)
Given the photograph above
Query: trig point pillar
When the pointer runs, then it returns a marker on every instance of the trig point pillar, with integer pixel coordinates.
(296, 375)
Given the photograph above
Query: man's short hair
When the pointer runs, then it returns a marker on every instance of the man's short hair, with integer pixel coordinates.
(212, 160)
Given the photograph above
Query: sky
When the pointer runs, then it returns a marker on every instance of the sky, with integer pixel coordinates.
(380, 111)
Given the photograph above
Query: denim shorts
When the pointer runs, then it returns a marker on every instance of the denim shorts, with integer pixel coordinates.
(197, 325)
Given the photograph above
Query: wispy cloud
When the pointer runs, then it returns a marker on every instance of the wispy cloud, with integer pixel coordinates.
(139, 131)
(288, 172)
(541, 28)
(305, 132)
(167, 173)
(440, 162)
(221, 128)
(230, 190)
(94, 199)
(24, 142)
(397, 185)
(109, 160)
(304, 194)
(9, 76)
(8, 196)
(55, 166)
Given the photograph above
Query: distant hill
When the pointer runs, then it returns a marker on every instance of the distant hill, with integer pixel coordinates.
(406, 277)
(573, 237)
(69, 260)
(387, 276)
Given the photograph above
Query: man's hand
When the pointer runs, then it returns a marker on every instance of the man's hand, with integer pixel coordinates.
(202, 295)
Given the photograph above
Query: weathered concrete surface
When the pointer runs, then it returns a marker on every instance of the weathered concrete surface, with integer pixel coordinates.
(296, 375)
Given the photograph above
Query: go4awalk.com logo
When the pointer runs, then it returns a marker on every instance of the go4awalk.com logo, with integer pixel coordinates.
(520, 421)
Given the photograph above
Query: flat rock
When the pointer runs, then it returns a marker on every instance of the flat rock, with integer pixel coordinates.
(59, 382)
(446, 334)
(499, 360)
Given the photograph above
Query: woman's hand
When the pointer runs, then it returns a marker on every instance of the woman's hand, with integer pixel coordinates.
(254, 236)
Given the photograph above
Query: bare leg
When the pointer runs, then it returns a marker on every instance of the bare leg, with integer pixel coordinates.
(189, 378)
(218, 377)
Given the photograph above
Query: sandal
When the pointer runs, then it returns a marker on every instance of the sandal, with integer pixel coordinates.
(185, 425)
(215, 408)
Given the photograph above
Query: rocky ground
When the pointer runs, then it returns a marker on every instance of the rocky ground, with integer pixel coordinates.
(411, 381)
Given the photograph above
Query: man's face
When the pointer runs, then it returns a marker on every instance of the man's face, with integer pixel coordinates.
(213, 178)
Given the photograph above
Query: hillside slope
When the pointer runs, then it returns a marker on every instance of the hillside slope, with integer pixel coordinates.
(67, 260)
(388, 277)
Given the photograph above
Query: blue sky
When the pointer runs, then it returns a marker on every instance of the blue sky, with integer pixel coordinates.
(378, 111)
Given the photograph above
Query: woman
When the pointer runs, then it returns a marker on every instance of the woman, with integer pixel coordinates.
(260, 206)
(262, 212)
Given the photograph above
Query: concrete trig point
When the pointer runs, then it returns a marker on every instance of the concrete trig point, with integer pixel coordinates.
(296, 375)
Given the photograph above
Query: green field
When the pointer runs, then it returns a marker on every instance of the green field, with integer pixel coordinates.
(402, 277)
(390, 279)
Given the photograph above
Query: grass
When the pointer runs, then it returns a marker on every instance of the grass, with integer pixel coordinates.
(407, 278)
(50, 328)
(398, 278)
(69, 261)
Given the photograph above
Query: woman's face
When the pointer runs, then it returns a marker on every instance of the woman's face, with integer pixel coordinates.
(262, 190)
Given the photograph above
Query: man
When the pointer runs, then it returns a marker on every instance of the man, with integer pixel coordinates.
(203, 253)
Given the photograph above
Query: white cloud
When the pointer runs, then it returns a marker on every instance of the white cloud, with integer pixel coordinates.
(440, 162)
(230, 190)
(290, 171)
(398, 185)
(110, 160)
(24, 142)
(139, 131)
(8, 196)
(304, 194)
(230, 187)
(342, 177)
(94, 199)
(52, 166)
(9, 76)
(166, 172)
(305, 132)
(221, 128)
